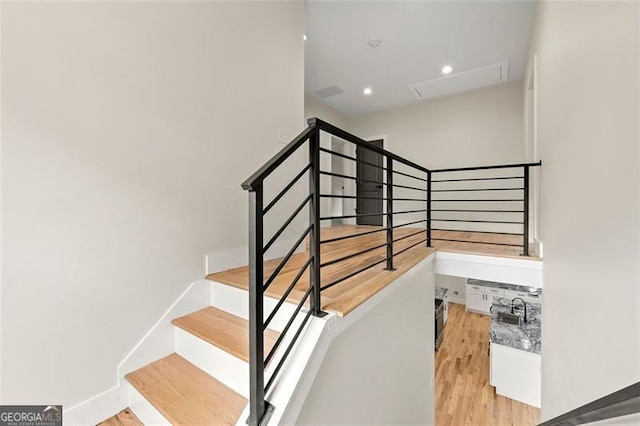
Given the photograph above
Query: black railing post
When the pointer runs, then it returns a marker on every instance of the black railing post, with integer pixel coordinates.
(525, 230)
(257, 404)
(389, 214)
(429, 209)
(314, 219)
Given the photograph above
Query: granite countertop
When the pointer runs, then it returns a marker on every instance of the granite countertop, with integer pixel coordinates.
(441, 292)
(526, 336)
(505, 286)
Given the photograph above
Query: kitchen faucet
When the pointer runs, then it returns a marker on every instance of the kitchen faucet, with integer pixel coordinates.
(523, 303)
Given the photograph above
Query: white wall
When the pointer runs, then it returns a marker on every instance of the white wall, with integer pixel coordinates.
(477, 128)
(455, 285)
(380, 369)
(587, 133)
(127, 130)
(483, 127)
(329, 185)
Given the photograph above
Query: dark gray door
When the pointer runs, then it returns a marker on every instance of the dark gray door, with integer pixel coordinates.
(372, 187)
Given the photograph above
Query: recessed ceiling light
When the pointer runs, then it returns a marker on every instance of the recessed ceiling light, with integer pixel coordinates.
(447, 69)
(367, 91)
(304, 37)
(374, 43)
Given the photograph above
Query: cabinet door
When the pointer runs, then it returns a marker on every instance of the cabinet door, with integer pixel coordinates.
(490, 294)
(475, 299)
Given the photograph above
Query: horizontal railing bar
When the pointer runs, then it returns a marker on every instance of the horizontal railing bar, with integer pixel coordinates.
(287, 257)
(483, 200)
(502, 166)
(348, 157)
(410, 187)
(411, 176)
(474, 179)
(261, 174)
(410, 247)
(286, 188)
(410, 235)
(288, 221)
(409, 223)
(357, 160)
(351, 177)
(370, 214)
(349, 256)
(480, 211)
(286, 354)
(286, 293)
(476, 232)
(477, 189)
(286, 327)
(370, 181)
(352, 274)
(352, 236)
(329, 128)
(433, 219)
(372, 198)
(478, 242)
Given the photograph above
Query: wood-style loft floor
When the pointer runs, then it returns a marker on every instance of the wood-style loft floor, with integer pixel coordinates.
(492, 248)
(463, 395)
(349, 294)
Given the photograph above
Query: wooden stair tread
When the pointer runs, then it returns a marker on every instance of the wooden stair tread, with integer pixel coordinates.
(224, 330)
(123, 418)
(186, 395)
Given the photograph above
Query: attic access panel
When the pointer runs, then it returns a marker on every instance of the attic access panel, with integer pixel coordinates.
(462, 81)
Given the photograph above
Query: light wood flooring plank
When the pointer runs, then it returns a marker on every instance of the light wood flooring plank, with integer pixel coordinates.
(224, 330)
(186, 395)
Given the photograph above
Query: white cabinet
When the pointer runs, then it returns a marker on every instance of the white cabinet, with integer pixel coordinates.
(479, 299)
(516, 374)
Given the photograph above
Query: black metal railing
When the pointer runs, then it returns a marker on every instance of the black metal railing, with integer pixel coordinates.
(484, 201)
(408, 195)
(624, 402)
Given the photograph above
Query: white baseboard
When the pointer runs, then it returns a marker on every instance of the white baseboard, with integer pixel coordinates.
(96, 409)
(537, 247)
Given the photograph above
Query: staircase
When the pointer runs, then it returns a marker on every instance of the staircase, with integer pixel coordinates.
(232, 354)
(206, 379)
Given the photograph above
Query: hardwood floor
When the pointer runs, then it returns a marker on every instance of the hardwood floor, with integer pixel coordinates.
(352, 292)
(463, 395)
(482, 249)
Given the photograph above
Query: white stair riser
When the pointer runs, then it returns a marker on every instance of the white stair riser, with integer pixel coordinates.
(227, 368)
(143, 409)
(236, 302)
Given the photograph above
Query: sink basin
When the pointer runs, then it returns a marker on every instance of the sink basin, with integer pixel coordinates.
(508, 318)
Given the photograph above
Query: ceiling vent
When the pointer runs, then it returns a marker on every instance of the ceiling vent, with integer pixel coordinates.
(462, 81)
(328, 91)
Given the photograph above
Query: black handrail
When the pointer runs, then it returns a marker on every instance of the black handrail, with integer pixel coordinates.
(259, 408)
(256, 179)
(329, 128)
(617, 404)
(500, 166)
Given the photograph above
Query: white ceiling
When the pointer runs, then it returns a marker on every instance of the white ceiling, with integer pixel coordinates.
(417, 39)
